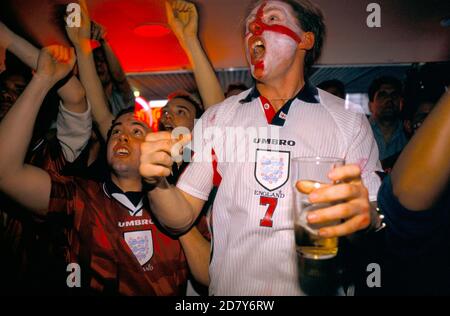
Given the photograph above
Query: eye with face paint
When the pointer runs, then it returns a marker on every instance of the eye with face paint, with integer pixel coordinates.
(272, 36)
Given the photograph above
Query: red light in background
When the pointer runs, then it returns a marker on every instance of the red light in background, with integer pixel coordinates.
(147, 115)
(152, 30)
(142, 112)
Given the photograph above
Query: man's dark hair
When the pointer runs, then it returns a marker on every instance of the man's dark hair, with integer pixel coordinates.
(385, 80)
(198, 108)
(121, 113)
(236, 86)
(310, 19)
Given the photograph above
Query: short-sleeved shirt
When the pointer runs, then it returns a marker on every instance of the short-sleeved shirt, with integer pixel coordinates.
(114, 238)
(252, 220)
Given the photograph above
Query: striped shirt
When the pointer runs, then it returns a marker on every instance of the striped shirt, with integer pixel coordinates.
(252, 221)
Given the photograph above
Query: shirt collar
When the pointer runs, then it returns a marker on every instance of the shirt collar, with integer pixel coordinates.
(133, 201)
(308, 94)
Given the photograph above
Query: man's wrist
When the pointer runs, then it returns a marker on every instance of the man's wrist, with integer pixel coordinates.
(377, 218)
(83, 47)
(154, 183)
(44, 80)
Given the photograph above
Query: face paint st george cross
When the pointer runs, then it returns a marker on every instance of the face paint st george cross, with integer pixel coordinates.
(272, 37)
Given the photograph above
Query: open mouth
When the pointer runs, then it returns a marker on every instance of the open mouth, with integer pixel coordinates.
(257, 49)
(168, 128)
(165, 127)
(121, 151)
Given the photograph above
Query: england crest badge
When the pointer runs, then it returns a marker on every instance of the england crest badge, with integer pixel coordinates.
(141, 244)
(272, 168)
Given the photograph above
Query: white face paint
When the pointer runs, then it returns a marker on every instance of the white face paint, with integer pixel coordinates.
(279, 49)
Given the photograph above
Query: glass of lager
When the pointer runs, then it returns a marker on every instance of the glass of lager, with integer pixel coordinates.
(315, 172)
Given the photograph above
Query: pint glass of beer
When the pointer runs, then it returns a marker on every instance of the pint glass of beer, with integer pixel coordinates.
(308, 244)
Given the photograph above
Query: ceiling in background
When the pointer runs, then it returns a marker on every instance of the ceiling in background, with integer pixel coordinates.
(156, 86)
(410, 32)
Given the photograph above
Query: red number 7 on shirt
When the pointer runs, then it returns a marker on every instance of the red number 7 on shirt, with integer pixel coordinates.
(272, 205)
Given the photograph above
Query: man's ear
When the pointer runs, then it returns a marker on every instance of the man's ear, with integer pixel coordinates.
(308, 40)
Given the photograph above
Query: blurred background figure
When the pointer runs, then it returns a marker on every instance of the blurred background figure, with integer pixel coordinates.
(115, 84)
(334, 86)
(385, 104)
(235, 89)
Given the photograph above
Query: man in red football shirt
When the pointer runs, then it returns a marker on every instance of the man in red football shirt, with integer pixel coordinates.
(111, 233)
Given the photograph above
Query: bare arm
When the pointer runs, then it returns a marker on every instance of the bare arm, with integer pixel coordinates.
(72, 93)
(423, 169)
(80, 38)
(117, 73)
(198, 251)
(26, 184)
(174, 208)
(183, 20)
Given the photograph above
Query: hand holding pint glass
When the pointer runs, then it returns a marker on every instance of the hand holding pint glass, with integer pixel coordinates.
(313, 174)
(330, 201)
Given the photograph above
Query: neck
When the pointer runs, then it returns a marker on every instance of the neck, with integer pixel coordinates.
(280, 90)
(387, 123)
(127, 184)
(387, 128)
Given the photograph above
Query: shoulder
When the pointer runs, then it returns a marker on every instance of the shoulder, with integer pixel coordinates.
(225, 111)
(349, 116)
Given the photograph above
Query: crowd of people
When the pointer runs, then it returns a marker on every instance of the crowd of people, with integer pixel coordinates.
(83, 180)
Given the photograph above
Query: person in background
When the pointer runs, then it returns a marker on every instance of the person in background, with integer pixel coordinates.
(115, 84)
(334, 86)
(385, 104)
(235, 89)
(182, 17)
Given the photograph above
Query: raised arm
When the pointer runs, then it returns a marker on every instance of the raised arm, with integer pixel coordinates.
(422, 171)
(183, 19)
(72, 93)
(28, 185)
(115, 68)
(80, 38)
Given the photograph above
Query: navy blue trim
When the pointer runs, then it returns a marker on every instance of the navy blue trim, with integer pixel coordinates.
(308, 94)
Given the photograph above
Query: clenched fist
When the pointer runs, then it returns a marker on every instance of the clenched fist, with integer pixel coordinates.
(158, 153)
(55, 62)
(182, 17)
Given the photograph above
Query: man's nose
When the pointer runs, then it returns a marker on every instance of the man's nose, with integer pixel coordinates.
(256, 28)
(167, 117)
(124, 137)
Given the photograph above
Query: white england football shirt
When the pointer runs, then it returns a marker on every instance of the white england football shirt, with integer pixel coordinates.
(251, 222)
